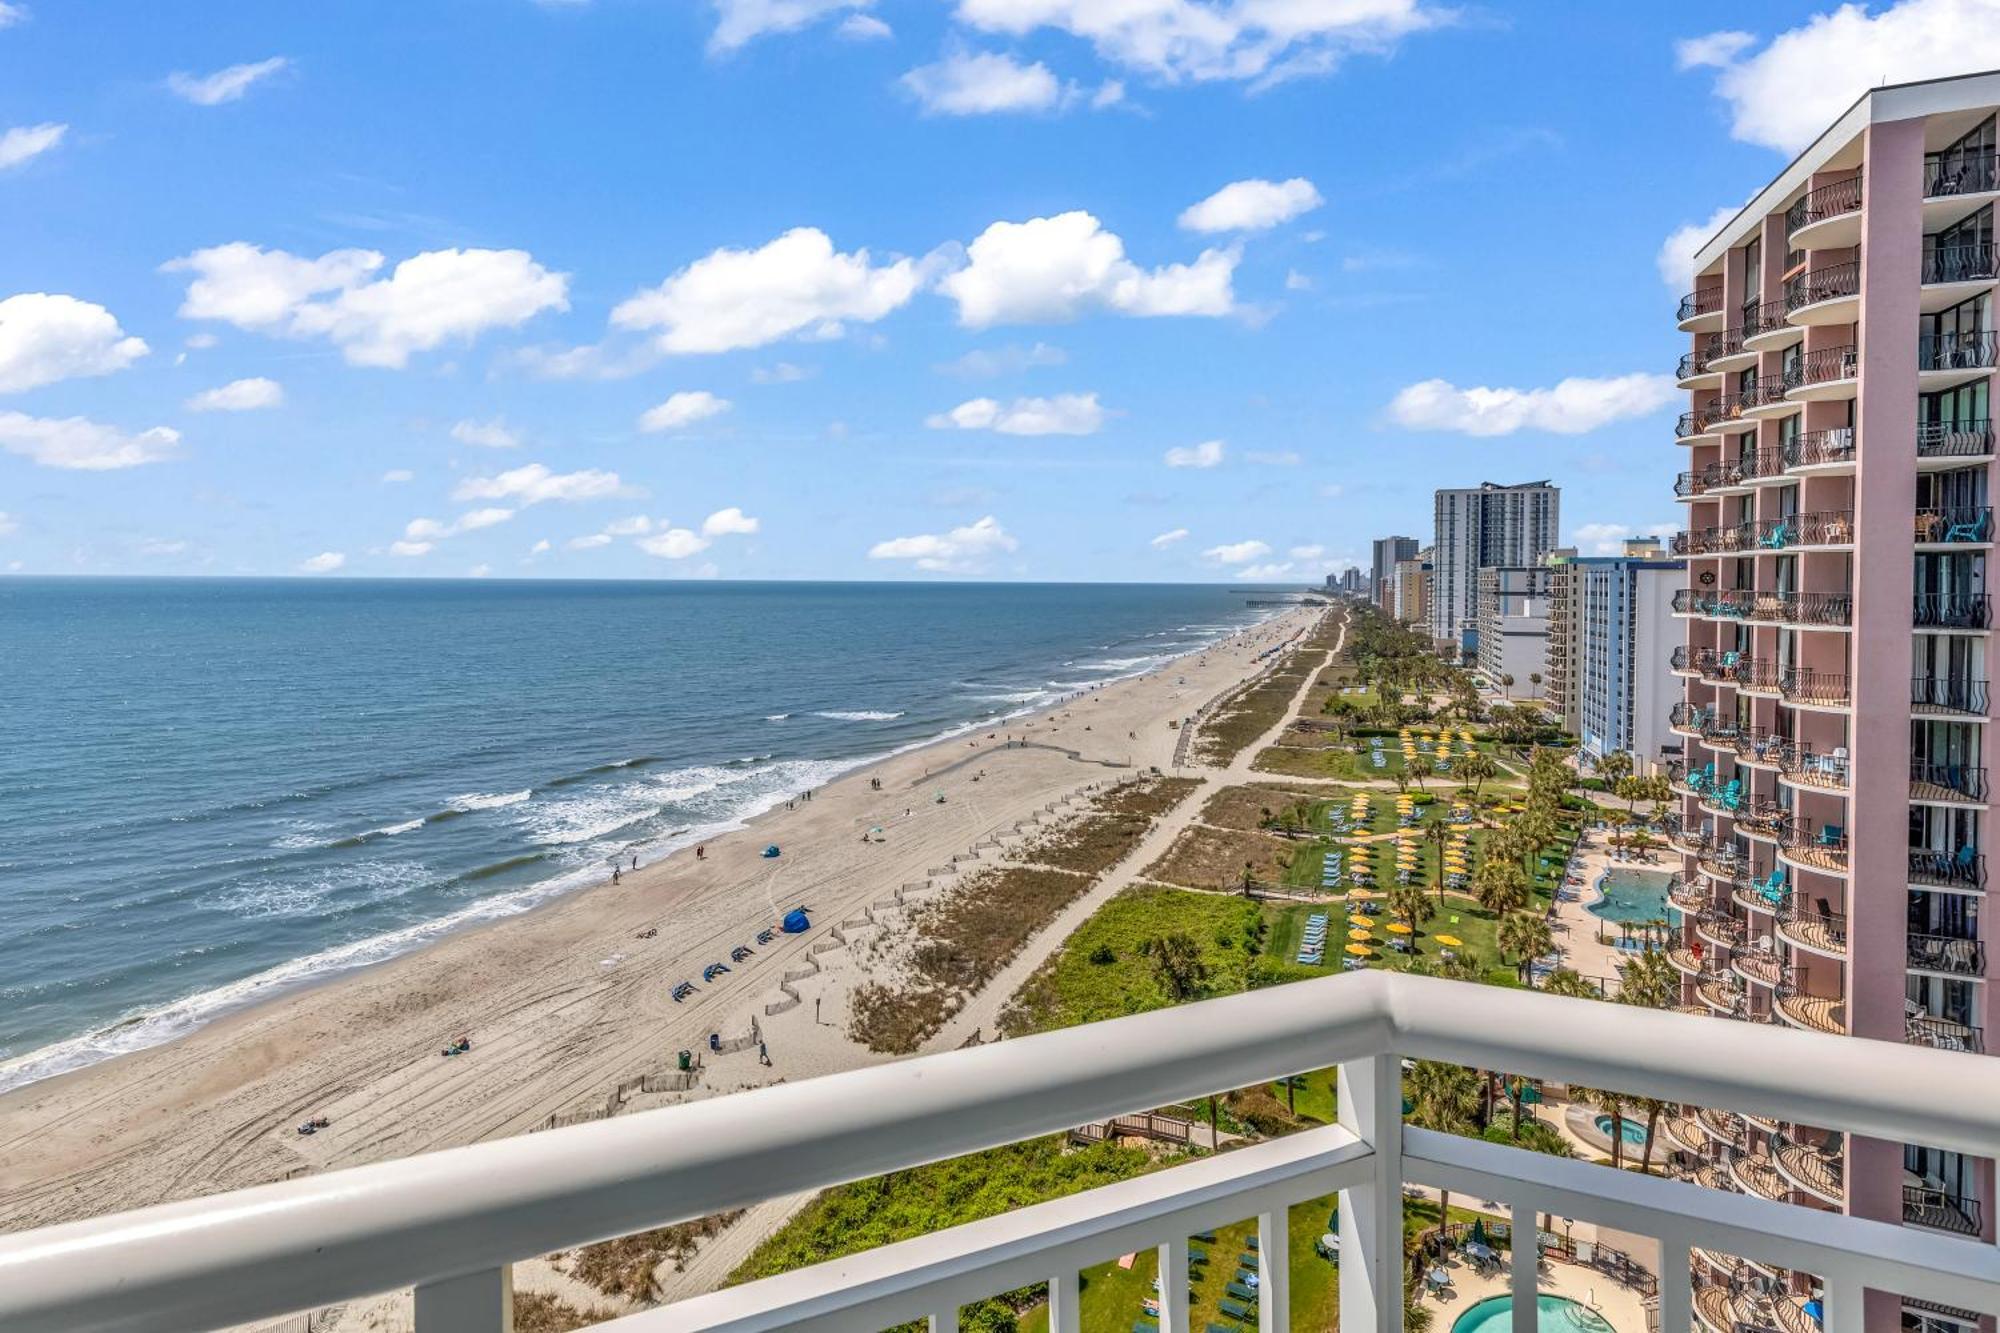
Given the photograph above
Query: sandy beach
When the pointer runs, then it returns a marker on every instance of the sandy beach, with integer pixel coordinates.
(565, 1003)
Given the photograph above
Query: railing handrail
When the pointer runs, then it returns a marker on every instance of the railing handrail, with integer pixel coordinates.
(1954, 439)
(1823, 285)
(1700, 301)
(1957, 351)
(1968, 262)
(1827, 201)
(1960, 171)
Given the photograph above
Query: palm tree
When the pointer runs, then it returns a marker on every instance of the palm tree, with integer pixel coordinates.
(1177, 965)
(1526, 936)
(1653, 1107)
(1478, 767)
(1568, 981)
(1445, 1098)
(1613, 767)
(1438, 833)
(1412, 904)
(1612, 1103)
(1647, 980)
(1501, 886)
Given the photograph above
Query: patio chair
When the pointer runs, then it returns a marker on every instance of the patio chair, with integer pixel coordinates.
(1241, 1292)
(1832, 835)
(1239, 1312)
(1973, 531)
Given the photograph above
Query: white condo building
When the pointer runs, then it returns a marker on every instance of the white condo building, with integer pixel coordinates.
(1479, 528)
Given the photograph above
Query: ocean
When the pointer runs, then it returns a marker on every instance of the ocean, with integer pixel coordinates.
(215, 790)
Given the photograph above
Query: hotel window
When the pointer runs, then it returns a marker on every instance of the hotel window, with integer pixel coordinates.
(1960, 408)
(1753, 279)
(1965, 166)
(1962, 252)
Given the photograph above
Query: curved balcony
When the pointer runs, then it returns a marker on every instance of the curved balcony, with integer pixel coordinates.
(1831, 295)
(1826, 529)
(1689, 895)
(1815, 451)
(1948, 696)
(1939, 783)
(1827, 373)
(1961, 871)
(1816, 929)
(1814, 689)
(1757, 675)
(1717, 604)
(1681, 661)
(1815, 1013)
(1825, 849)
(1941, 1210)
(1727, 411)
(1755, 1174)
(1688, 841)
(1725, 1127)
(1950, 955)
(1687, 719)
(1958, 270)
(1971, 611)
(1803, 766)
(1813, 1170)
(1764, 821)
(1766, 328)
(1955, 525)
(1722, 994)
(1950, 443)
(1682, 960)
(1700, 310)
(1719, 928)
(1944, 359)
(1757, 747)
(1805, 610)
(1827, 218)
(1955, 174)
(1761, 968)
(1714, 1306)
(1683, 1133)
(1942, 1034)
(1692, 485)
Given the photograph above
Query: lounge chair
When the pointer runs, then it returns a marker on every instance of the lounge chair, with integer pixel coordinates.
(1145, 1326)
(1241, 1292)
(1239, 1312)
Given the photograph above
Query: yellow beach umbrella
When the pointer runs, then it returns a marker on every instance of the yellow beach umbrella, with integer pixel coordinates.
(1360, 951)
(1361, 922)
(1397, 928)
(1359, 935)
(1449, 941)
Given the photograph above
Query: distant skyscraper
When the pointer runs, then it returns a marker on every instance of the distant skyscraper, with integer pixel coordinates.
(1484, 527)
(1389, 552)
(1611, 635)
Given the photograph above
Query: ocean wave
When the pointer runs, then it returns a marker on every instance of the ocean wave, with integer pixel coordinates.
(1115, 663)
(858, 715)
(484, 801)
(776, 717)
(1011, 697)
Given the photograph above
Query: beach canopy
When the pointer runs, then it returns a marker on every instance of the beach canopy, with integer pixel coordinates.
(795, 922)
(1449, 941)
(1397, 927)
(1359, 935)
(1365, 923)
(1360, 951)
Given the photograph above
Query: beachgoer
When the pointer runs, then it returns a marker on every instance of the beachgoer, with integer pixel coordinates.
(635, 860)
(700, 853)
(763, 1054)
(614, 874)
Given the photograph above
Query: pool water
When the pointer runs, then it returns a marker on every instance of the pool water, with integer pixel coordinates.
(1553, 1314)
(1633, 1132)
(1631, 896)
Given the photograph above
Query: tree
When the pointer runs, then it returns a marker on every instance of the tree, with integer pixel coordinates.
(1614, 767)
(1478, 767)
(1500, 886)
(1568, 981)
(1535, 679)
(1178, 965)
(1612, 1103)
(1526, 936)
(1445, 1098)
(1412, 904)
(1507, 685)
(1648, 980)
(1437, 833)
(1652, 1106)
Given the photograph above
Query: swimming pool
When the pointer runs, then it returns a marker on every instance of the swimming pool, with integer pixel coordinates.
(1634, 1133)
(1553, 1314)
(1630, 896)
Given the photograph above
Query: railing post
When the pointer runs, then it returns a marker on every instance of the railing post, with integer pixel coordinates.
(945, 1320)
(1174, 1285)
(1371, 1217)
(1846, 1306)
(1274, 1290)
(1676, 1282)
(474, 1303)
(1524, 1264)
(1065, 1315)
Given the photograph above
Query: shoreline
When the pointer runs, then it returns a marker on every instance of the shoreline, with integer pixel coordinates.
(323, 1044)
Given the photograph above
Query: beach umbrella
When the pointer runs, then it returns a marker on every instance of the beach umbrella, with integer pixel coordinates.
(1449, 941)
(1360, 951)
(1397, 928)
(1365, 923)
(1359, 935)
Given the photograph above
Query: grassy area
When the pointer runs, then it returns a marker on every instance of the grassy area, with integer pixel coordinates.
(1476, 929)
(1214, 858)
(1254, 711)
(1094, 842)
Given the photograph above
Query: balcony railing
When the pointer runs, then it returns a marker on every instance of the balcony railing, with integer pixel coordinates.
(1964, 869)
(1948, 694)
(1824, 366)
(1955, 439)
(1701, 301)
(1768, 317)
(1757, 675)
(1941, 1034)
(1951, 173)
(1803, 685)
(1805, 608)
(1826, 284)
(1953, 954)
(1934, 780)
(1824, 848)
(452, 1224)
(1828, 201)
(1953, 524)
(1685, 716)
(1686, 424)
(1958, 351)
(1951, 610)
(1815, 448)
(1803, 764)
(1828, 527)
(1690, 895)
(1814, 924)
(1959, 263)
(1942, 1210)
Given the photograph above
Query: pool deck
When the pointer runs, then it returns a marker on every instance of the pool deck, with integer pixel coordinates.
(1621, 1307)
(1577, 926)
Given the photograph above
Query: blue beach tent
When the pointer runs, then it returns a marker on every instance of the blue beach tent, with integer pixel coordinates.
(796, 923)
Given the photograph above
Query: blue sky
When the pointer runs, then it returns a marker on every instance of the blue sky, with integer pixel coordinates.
(910, 288)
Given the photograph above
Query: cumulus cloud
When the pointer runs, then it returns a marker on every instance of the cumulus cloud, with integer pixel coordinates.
(742, 21)
(960, 551)
(81, 445)
(535, 483)
(12, 13)
(674, 544)
(682, 410)
(589, 543)
(1204, 455)
(864, 28)
(23, 143)
(1168, 538)
(239, 396)
(1675, 260)
(494, 434)
(1296, 281)
(1064, 414)
(1236, 553)
(1572, 407)
(985, 363)
(1252, 205)
(46, 337)
(225, 85)
(410, 550)
(1610, 538)
(730, 522)
(323, 563)
(796, 285)
(1786, 93)
(981, 83)
(1190, 40)
(427, 300)
(1055, 269)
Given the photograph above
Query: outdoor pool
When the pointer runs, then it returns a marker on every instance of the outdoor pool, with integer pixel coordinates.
(1633, 1132)
(1630, 896)
(1553, 1314)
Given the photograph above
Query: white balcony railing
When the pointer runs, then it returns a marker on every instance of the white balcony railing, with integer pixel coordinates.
(450, 1224)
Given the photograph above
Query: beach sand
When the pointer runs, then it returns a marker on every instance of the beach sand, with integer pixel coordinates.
(564, 1003)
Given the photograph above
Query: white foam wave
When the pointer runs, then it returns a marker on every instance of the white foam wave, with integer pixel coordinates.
(859, 715)
(776, 717)
(485, 801)
(391, 830)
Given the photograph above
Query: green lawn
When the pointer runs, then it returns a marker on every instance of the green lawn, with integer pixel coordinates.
(1476, 928)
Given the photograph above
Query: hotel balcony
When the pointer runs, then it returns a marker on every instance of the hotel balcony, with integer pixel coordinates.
(1685, 1133)
(1758, 747)
(1690, 841)
(1829, 529)
(1951, 611)
(1949, 358)
(1683, 961)
(1941, 1034)
(1830, 451)
(1962, 871)
(1804, 766)
(1831, 295)
(1951, 443)
(1686, 661)
(1816, 928)
(1764, 820)
(1701, 310)
(1766, 328)
(1948, 696)
(1689, 895)
(1960, 175)
(1827, 373)
(453, 1224)
(1690, 427)
(1724, 1127)
(1955, 525)
(1688, 719)
(1756, 1174)
(1763, 969)
(1719, 928)
(1815, 1013)
(1757, 675)
(1825, 849)
(1947, 784)
(1819, 689)
(1828, 218)
(1805, 610)
(1813, 1170)
(1950, 955)
(1722, 993)
(1956, 271)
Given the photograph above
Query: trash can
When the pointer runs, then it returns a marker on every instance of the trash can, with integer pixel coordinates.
(686, 1062)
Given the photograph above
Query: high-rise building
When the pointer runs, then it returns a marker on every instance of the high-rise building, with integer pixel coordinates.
(1834, 808)
(1611, 636)
(1484, 527)
(1410, 589)
(1513, 623)
(1389, 552)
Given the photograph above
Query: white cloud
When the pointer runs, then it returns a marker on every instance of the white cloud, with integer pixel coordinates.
(682, 410)
(410, 550)
(1784, 95)
(730, 522)
(981, 363)
(635, 526)
(1206, 454)
(1717, 50)
(8, 526)
(81, 445)
(784, 372)
(1064, 414)
(1572, 407)
(427, 299)
(11, 13)
(200, 342)
(1176, 40)
(863, 28)
(535, 483)
(46, 337)
(797, 285)
(494, 434)
(1676, 257)
(323, 563)
(541, 547)
(674, 544)
(1266, 573)
(398, 474)
(1610, 538)
(26, 142)
(479, 571)
(1168, 538)
(474, 520)
(1296, 281)
(1054, 269)
(1252, 205)
(225, 85)
(239, 396)
(1235, 553)
(590, 361)
(961, 551)
(593, 541)
(157, 548)
(980, 83)
(1109, 93)
(741, 21)
(1273, 457)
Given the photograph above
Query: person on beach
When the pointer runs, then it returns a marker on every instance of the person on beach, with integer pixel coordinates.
(614, 874)
(700, 852)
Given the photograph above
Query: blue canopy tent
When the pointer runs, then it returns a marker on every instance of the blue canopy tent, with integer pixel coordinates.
(771, 850)
(796, 923)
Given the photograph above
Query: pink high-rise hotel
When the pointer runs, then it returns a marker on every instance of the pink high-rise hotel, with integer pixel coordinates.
(1834, 816)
